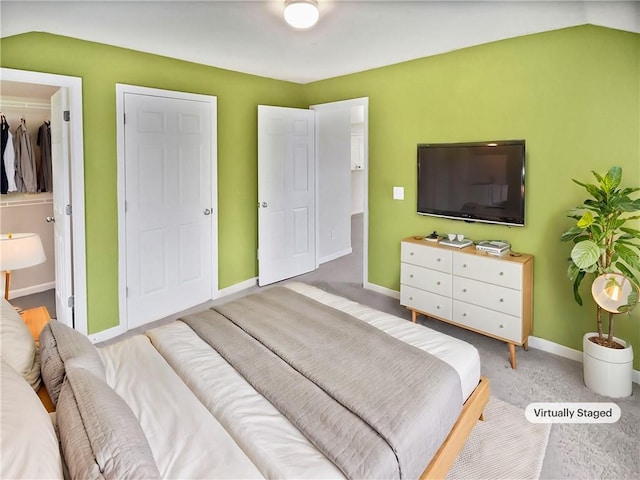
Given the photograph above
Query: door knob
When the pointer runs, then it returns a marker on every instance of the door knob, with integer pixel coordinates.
(50, 219)
(207, 211)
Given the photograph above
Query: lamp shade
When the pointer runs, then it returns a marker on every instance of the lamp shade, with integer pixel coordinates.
(20, 250)
(611, 291)
(301, 13)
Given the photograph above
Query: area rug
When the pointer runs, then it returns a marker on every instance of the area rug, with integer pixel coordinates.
(503, 446)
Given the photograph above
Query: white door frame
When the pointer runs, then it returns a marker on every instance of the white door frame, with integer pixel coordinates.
(355, 102)
(121, 90)
(76, 169)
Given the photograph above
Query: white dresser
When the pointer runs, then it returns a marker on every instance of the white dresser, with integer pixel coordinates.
(480, 292)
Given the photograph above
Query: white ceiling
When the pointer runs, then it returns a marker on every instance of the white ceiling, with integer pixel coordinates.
(351, 36)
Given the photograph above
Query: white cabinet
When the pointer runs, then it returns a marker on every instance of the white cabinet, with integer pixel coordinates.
(487, 294)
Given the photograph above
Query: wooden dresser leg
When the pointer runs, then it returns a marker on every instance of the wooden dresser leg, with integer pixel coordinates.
(526, 344)
(512, 355)
(414, 316)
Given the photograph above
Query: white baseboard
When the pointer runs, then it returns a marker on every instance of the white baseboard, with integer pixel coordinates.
(335, 255)
(21, 292)
(534, 342)
(555, 348)
(383, 290)
(238, 287)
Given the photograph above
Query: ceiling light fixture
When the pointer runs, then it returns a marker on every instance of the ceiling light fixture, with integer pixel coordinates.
(301, 13)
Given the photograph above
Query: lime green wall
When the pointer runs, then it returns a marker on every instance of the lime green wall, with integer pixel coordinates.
(573, 94)
(101, 67)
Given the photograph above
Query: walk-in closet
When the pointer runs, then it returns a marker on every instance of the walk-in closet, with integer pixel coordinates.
(26, 202)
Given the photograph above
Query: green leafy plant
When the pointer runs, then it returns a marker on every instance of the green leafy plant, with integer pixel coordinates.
(603, 241)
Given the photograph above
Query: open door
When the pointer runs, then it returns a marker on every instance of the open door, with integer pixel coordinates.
(286, 193)
(62, 206)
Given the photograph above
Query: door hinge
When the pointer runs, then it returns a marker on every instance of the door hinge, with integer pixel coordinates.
(126, 291)
(258, 253)
(67, 209)
(124, 118)
(66, 115)
(70, 302)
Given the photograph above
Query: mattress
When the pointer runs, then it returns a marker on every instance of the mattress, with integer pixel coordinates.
(267, 438)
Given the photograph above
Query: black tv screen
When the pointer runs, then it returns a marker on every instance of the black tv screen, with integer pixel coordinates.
(480, 181)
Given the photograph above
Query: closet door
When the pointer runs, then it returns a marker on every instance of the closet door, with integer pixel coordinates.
(169, 205)
(61, 206)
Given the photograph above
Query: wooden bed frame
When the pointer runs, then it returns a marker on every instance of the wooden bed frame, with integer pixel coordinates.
(448, 451)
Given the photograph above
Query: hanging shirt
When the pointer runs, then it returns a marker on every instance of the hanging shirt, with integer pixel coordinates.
(26, 179)
(4, 184)
(8, 158)
(45, 179)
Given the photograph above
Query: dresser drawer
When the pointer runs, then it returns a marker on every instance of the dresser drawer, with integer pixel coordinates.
(425, 279)
(488, 269)
(426, 302)
(501, 299)
(488, 321)
(424, 256)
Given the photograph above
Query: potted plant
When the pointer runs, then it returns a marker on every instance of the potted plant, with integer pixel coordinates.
(604, 243)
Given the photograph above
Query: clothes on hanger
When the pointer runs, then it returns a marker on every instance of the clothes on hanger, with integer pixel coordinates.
(45, 177)
(25, 161)
(7, 157)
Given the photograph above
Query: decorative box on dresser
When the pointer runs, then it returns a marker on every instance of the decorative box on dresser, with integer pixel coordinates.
(487, 294)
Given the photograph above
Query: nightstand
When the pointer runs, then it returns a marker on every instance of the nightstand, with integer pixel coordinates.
(36, 318)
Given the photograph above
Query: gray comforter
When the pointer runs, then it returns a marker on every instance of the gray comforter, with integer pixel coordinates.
(374, 405)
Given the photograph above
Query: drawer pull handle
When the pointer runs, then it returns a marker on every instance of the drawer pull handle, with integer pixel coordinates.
(437, 283)
(501, 326)
(411, 253)
(410, 298)
(501, 274)
(411, 275)
(437, 260)
(438, 307)
(464, 265)
(502, 300)
(464, 290)
(464, 314)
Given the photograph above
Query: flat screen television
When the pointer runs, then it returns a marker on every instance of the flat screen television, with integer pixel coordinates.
(476, 182)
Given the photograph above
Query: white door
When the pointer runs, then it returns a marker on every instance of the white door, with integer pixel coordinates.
(168, 206)
(286, 193)
(61, 206)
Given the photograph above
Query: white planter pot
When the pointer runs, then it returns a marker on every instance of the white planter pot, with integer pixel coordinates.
(607, 371)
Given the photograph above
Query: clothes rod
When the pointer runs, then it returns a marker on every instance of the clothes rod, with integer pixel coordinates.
(19, 105)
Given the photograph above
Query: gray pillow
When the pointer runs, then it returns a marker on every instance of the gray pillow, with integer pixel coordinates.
(17, 346)
(99, 434)
(60, 344)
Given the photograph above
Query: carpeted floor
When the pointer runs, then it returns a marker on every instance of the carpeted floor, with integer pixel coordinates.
(574, 451)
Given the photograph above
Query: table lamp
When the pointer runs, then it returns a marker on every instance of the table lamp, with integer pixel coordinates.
(19, 250)
(614, 292)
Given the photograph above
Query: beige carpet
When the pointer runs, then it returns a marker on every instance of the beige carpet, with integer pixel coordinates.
(503, 446)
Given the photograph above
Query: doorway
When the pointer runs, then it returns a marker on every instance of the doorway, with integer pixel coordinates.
(338, 180)
(69, 244)
(342, 130)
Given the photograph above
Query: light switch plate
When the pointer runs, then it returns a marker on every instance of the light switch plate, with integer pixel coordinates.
(398, 193)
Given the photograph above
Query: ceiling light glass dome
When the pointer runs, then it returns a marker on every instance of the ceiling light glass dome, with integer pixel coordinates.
(301, 13)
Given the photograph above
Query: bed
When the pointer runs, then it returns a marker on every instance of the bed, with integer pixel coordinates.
(188, 413)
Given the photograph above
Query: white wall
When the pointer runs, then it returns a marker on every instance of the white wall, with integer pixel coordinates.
(333, 125)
